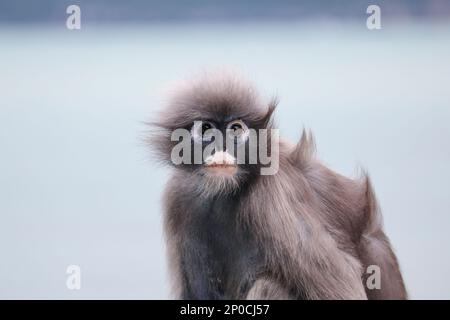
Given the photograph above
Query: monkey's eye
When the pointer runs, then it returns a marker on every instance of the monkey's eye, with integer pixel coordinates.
(238, 130)
(202, 130)
(206, 126)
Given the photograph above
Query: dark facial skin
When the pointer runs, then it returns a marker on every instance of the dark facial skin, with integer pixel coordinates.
(222, 123)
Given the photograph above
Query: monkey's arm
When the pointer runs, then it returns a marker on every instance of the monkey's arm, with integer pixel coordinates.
(326, 272)
(196, 281)
(267, 289)
(309, 266)
(188, 257)
(299, 249)
(190, 271)
(313, 275)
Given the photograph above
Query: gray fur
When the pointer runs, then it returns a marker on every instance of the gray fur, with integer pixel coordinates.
(303, 233)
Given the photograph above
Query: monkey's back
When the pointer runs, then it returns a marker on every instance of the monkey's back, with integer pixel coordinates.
(307, 210)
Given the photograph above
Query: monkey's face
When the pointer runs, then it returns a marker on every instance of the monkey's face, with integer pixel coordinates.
(219, 143)
(222, 153)
(212, 131)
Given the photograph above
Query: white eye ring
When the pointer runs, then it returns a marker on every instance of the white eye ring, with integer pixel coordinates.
(241, 134)
(198, 130)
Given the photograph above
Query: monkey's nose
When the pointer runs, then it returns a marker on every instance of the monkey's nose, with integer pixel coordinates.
(220, 158)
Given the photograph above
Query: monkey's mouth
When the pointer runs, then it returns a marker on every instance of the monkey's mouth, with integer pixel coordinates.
(221, 162)
(220, 165)
(226, 169)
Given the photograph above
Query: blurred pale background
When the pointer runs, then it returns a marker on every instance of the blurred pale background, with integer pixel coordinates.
(76, 183)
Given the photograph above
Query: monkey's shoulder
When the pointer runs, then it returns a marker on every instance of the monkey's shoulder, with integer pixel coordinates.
(304, 183)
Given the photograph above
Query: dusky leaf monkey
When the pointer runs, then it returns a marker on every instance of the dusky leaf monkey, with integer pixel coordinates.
(304, 232)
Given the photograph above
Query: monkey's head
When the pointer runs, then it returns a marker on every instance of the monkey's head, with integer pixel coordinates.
(214, 129)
